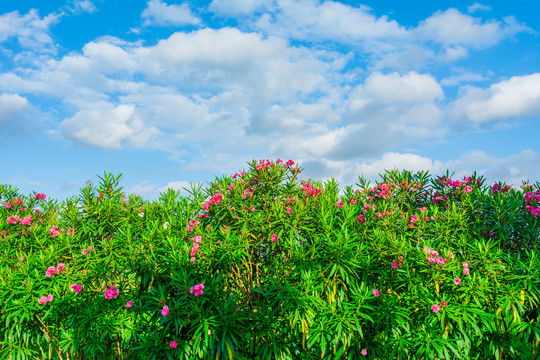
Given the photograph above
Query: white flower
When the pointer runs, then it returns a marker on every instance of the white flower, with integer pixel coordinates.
(166, 225)
(141, 214)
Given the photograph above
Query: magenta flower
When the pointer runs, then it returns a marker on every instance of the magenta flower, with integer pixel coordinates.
(465, 271)
(51, 271)
(90, 248)
(444, 303)
(440, 260)
(50, 298)
(457, 281)
(76, 288)
(394, 265)
(128, 304)
(165, 310)
(60, 267)
(435, 308)
(363, 352)
(375, 292)
(54, 231)
(274, 237)
(198, 289)
(111, 293)
(42, 300)
(289, 210)
(174, 344)
(84, 252)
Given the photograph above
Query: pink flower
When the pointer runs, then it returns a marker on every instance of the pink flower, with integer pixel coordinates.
(394, 265)
(431, 260)
(440, 260)
(198, 289)
(165, 310)
(84, 252)
(111, 293)
(465, 265)
(209, 332)
(21, 258)
(40, 196)
(274, 237)
(42, 300)
(71, 231)
(435, 308)
(76, 288)
(50, 298)
(434, 253)
(27, 220)
(51, 271)
(444, 303)
(457, 281)
(90, 248)
(54, 231)
(128, 304)
(363, 352)
(7, 205)
(289, 210)
(465, 271)
(375, 292)
(60, 267)
(422, 209)
(173, 344)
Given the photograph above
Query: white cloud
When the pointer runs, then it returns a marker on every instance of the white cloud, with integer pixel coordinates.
(11, 106)
(453, 28)
(30, 30)
(518, 96)
(478, 7)
(181, 186)
(312, 20)
(107, 127)
(158, 13)
(238, 7)
(461, 77)
(80, 6)
(142, 189)
(512, 169)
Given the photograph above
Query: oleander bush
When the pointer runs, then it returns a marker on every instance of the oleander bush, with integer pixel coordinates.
(266, 265)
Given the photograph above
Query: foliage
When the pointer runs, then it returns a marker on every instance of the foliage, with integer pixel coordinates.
(264, 265)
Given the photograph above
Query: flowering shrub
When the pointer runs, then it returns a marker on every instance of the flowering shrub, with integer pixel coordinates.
(263, 264)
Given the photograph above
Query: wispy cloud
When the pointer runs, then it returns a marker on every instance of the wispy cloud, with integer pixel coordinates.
(158, 13)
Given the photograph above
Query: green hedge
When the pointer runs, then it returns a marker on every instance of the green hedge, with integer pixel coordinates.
(413, 267)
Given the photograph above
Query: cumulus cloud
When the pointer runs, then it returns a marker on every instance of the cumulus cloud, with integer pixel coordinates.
(80, 6)
(313, 20)
(142, 189)
(518, 96)
(158, 13)
(107, 127)
(478, 7)
(513, 169)
(452, 28)
(30, 30)
(17, 115)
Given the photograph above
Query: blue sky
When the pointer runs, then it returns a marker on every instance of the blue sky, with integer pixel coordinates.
(174, 92)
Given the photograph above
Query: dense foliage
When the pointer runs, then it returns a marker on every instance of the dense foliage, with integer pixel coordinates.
(264, 265)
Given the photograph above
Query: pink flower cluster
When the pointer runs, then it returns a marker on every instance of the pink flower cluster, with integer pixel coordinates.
(87, 250)
(434, 256)
(383, 190)
(465, 268)
(499, 188)
(14, 219)
(198, 289)
(400, 262)
(361, 219)
(165, 310)
(76, 288)
(51, 270)
(195, 247)
(274, 238)
(192, 225)
(309, 190)
(339, 204)
(44, 299)
(54, 231)
(435, 308)
(40, 196)
(111, 293)
(532, 198)
(214, 200)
